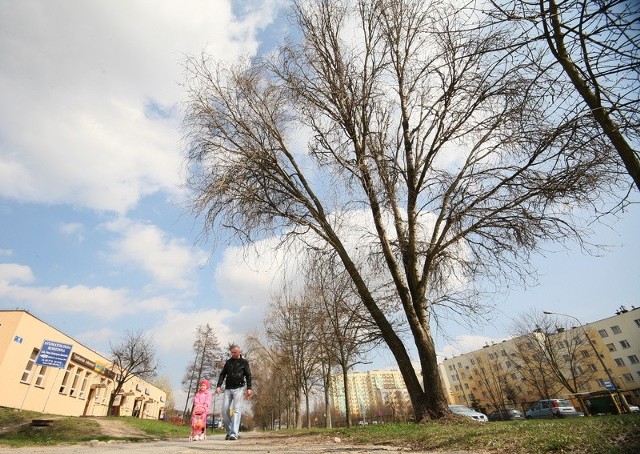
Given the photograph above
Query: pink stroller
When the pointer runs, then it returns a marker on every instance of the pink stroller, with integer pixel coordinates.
(198, 424)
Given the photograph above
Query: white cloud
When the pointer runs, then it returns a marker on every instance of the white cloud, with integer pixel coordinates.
(90, 94)
(170, 262)
(6, 252)
(74, 229)
(465, 344)
(176, 332)
(13, 272)
(100, 302)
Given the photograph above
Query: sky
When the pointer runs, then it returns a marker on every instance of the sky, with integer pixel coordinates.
(95, 235)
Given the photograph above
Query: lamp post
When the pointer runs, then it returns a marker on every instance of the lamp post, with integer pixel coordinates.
(595, 351)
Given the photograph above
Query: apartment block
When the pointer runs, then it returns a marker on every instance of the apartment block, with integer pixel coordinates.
(374, 395)
(601, 357)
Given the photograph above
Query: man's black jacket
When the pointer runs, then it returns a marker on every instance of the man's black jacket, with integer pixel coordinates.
(236, 372)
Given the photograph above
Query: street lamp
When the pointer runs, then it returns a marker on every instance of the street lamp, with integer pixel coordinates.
(593, 347)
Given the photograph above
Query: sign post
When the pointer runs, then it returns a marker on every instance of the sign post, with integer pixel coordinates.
(53, 354)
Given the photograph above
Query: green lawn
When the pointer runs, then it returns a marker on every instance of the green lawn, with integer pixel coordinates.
(594, 435)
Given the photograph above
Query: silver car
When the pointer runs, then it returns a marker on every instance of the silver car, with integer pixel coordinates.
(552, 408)
(468, 412)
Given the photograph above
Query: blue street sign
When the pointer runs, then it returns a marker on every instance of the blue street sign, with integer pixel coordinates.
(53, 354)
(610, 386)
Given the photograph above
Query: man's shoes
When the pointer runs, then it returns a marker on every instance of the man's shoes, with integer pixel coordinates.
(226, 437)
(233, 437)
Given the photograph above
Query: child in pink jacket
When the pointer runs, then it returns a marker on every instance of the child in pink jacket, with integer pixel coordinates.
(201, 405)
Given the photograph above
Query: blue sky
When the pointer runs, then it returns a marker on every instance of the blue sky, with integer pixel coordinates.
(94, 236)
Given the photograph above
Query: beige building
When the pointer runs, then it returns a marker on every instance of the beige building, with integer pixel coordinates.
(373, 395)
(496, 376)
(44, 370)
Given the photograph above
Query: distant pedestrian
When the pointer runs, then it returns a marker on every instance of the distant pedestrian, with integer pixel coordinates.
(235, 374)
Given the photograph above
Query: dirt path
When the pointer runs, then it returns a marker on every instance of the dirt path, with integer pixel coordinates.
(113, 428)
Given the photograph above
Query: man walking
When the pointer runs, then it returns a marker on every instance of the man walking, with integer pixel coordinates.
(235, 374)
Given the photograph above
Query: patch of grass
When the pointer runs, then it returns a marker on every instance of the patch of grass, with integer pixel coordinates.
(157, 429)
(618, 434)
(63, 430)
(16, 429)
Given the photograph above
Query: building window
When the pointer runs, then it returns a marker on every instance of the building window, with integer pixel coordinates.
(600, 382)
(74, 385)
(40, 378)
(585, 353)
(633, 359)
(65, 380)
(26, 375)
(611, 347)
(454, 378)
(624, 344)
(83, 388)
(603, 333)
(627, 377)
(616, 329)
(593, 367)
(619, 361)
(637, 321)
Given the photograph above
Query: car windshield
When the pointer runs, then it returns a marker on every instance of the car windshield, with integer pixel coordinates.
(461, 409)
(564, 403)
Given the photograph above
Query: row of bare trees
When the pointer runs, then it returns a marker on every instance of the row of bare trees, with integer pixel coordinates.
(429, 148)
(314, 327)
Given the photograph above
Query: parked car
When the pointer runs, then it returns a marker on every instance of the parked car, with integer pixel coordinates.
(634, 409)
(213, 423)
(552, 408)
(468, 412)
(508, 414)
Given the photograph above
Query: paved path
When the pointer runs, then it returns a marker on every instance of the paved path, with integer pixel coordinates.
(245, 445)
(248, 444)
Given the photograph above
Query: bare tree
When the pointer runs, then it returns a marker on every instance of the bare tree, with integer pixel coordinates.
(596, 43)
(345, 330)
(391, 133)
(552, 357)
(274, 388)
(290, 326)
(207, 357)
(164, 383)
(494, 379)
(134, 356)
